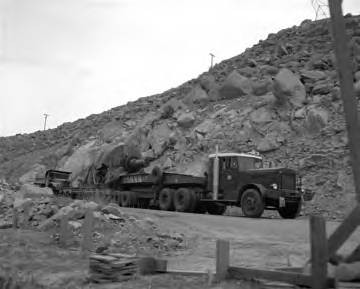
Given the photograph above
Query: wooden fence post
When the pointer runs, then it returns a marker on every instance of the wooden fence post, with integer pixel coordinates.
(319, 252)
(345, 72)
(222, 259)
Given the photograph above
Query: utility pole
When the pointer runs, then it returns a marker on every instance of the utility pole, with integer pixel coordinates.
(46, 116)
(212, 60)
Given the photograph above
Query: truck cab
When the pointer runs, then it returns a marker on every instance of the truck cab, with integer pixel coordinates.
(241, 179)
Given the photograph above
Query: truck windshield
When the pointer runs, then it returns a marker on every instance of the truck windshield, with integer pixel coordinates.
(248, 163)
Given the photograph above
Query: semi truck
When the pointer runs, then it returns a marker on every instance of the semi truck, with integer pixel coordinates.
(231, 179)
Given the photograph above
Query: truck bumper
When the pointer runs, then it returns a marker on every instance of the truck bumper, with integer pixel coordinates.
(289, 196)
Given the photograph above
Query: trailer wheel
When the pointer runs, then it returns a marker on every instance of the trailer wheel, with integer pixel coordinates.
(252, 203)
(215, 208)
(291, 210)
(128, 199)
(166, 199)
(184, 200)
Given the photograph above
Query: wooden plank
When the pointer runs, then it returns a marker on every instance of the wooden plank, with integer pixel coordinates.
(343, 231)
(345, 73)
(290, 269)
(188, 273)
(319, 252)
(288, 277)
(222, 259)
(354, 256)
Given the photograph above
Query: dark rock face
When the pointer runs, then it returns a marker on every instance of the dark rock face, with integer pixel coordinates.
(280, 96)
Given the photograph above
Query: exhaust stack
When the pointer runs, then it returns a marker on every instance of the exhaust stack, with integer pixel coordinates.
(216, 175)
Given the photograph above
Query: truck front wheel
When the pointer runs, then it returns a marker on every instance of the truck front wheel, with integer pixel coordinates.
(252, 203)
(166, 199)
(291, 210)
(184, 200)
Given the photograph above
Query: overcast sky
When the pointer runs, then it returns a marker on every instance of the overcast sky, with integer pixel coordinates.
(72, 58)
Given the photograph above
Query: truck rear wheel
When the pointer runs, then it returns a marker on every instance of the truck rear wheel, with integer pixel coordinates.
(291, 210)
(166, 199)
(128, 199)
(184, 200)
(252, 203)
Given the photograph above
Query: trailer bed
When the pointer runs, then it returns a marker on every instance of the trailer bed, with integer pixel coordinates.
(168, 179)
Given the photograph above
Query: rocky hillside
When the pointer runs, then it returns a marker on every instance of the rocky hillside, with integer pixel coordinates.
(280, 97)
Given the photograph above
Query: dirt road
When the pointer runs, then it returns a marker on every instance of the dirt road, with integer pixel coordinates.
(261, 242)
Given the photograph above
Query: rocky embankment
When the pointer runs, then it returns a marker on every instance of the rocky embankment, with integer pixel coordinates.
(113, 230)
(280, 97)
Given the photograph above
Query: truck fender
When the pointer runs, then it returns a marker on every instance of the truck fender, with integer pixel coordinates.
(258, 187)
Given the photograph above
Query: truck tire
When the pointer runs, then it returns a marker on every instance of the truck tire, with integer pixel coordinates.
(128, 199)
(184, 200)
(252, 203)
(291, 210)
(215, 208)
(166, 199)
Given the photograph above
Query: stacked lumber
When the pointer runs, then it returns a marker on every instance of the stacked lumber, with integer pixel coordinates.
(105, 268)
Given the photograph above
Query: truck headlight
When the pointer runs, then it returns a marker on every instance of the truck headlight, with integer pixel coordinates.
(274, 186)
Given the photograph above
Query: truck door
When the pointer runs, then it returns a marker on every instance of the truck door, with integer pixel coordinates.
(228, 177)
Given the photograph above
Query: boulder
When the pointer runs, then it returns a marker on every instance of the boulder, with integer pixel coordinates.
(322, 88)
(159, 138)
(316, 119)
(85, 205)
(235, 85)
(269, 70)
(207, 82)
(32, 191)
(345, 181)
(186, 120)
(75, 225)
(113, 209)
(261, 116)
(37, 170)
(287, 87)
(312, 75)
(206, 127)
(247, 71)
(267, 144)
(50, 223)
(261, 87)
(168, 164)
(196, 96)
(20, 203)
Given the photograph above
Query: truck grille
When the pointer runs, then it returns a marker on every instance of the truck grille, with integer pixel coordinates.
(288, 182)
